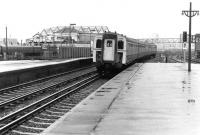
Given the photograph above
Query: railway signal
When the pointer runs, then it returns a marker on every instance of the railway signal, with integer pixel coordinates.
(184, 36)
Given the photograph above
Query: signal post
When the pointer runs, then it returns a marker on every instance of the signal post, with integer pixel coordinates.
(191, 13)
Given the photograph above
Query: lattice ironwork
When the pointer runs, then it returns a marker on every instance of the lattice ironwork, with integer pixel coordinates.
(165, 43)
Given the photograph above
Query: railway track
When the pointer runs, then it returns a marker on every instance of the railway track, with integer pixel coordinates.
(180, 61)
(195, 61)
(28, 84)
(16, 97)
(15, 119)
(173, 60)
(15, 94)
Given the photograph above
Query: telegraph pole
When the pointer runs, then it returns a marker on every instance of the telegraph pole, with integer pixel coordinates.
(190, 14)
(6, 44)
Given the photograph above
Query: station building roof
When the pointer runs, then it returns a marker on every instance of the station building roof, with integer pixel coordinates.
(50, 34)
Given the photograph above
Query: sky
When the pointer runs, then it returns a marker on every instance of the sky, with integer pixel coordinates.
(134, 18)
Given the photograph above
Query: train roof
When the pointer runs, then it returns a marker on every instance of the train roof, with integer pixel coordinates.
(127, 38)
(138, 41)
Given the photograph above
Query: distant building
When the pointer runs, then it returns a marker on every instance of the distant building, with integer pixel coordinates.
(66, 35)
(10, 42)
(197, 45)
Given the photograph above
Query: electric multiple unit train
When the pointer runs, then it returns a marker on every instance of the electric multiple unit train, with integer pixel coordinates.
(113, 51)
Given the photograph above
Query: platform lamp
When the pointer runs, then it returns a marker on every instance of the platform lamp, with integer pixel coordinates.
(91, 41)
(69, 40)
(70, 30)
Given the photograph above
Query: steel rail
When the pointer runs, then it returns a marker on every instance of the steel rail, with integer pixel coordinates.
(176, 60)
(54, 98)
(195, 61)
(39, 90)
(41, 79)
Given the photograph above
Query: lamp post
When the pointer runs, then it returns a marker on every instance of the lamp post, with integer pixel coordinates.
(39, 39)
(72, 24)
(191, 13)
(91, 41)
(6, 45)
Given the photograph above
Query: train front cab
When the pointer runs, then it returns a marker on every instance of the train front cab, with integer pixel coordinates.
(108, 52)
(109, 49)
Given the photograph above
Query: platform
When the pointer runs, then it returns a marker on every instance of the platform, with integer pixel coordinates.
(145, 99)
(20, 71)
(6, 66)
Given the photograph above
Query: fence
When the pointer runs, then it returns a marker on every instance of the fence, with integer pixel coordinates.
(74, 52)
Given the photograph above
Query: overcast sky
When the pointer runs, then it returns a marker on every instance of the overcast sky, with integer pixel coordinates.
(134, 18)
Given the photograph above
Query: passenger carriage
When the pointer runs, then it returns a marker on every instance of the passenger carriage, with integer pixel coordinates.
(113, 51)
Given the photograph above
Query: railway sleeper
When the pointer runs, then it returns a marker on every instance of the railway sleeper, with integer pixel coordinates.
(44, 116)
(22, 133)
(47, 121)
(1, 125)
(48, 112)
(57, 110)
(4, 98)
(44, 119)
(70, 102)
(30, 124)
(40, 122)
(61, 108)
(27, 129)
(8, 95)
(66, 102)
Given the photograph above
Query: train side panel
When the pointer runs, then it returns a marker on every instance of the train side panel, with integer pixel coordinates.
(132, 51)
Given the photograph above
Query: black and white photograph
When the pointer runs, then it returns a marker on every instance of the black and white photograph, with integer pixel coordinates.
(99, 67)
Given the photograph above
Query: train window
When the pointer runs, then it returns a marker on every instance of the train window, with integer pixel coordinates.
(109, 43)
(120, 44)
(98, 43)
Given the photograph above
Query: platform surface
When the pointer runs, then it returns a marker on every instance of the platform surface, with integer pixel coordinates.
(148, 99)
(6, 66)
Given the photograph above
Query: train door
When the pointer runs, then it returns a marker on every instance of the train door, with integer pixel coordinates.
(109, 49)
